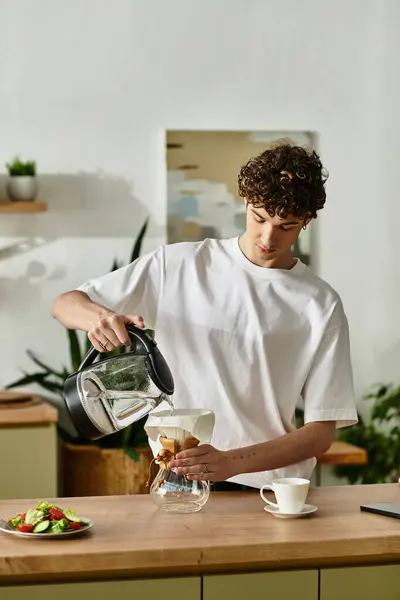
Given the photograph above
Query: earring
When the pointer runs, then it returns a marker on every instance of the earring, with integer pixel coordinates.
(304, 227)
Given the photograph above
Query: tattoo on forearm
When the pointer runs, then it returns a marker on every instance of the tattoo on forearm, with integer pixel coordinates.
(242, 457)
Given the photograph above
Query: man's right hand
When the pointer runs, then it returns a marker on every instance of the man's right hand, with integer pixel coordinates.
(110, 332)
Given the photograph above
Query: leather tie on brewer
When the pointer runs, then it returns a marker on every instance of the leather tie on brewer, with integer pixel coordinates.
(170, 448)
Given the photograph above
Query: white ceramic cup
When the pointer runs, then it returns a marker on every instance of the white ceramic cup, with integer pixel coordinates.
(290, 492)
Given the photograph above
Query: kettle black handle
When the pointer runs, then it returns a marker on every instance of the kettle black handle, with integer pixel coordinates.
(134, 332)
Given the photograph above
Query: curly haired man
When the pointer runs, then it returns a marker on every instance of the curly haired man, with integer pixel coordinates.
(247, 329)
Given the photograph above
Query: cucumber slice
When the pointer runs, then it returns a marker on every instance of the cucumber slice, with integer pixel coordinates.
(71, 515)
(41, 527)
(33, 516)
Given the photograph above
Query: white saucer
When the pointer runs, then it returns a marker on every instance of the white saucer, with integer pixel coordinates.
(308, 509)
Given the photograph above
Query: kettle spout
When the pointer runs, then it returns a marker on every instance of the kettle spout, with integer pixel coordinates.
(164, 398)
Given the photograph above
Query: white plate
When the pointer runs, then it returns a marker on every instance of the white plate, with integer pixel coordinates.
(47, 536)
(308, 509)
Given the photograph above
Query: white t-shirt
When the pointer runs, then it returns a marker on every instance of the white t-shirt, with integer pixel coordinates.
(247, 342)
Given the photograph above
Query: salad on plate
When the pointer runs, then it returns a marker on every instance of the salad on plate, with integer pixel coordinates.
(48, 518)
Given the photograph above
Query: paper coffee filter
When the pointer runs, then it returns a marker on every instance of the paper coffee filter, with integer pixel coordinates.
(180, 423)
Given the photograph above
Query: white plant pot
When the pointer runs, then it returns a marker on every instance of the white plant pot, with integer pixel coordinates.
(22, 189)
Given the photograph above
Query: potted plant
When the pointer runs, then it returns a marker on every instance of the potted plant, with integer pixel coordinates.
(22, 185)
(380, 438)
(116, 464)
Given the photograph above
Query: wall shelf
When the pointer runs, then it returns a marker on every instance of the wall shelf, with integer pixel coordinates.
(22, 207)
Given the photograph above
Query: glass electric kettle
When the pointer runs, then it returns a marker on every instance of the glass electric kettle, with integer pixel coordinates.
(107, 396)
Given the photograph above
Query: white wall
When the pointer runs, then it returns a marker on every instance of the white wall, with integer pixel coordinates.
(87, 87)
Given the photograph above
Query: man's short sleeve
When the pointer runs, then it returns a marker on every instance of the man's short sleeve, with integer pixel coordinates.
(328, 393)
(131, 290)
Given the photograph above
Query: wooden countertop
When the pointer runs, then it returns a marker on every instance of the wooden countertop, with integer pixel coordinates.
(342, 453)
(37, 413)
(131, 538)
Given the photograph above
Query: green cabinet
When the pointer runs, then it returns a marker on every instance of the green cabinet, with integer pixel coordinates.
(361, 583)
(29, 461)
(291, 585)
(187, 588)
(350, 583)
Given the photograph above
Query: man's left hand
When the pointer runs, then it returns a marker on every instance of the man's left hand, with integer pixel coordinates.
(203, 462)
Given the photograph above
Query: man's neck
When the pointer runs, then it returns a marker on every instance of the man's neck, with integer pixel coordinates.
(284, 261)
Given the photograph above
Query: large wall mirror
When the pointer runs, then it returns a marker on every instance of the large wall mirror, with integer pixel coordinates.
(202, 170)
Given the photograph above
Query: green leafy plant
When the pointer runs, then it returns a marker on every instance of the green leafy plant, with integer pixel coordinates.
(18, 168)
(52, 380)
(380, 438)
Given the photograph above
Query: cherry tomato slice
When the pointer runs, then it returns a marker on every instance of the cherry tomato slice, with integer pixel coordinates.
(25, 528)
(57, 514)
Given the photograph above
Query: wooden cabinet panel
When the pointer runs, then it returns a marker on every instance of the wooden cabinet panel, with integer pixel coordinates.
(285, 585)
(361, 583)
(188, 588)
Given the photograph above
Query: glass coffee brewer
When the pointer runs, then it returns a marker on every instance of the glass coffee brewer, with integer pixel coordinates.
(107, 396)
(178, 430)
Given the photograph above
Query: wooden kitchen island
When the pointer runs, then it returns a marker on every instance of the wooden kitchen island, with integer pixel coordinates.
(232, 549)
